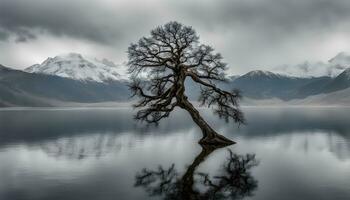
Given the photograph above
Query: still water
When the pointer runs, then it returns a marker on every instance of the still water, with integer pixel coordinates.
(282, 153)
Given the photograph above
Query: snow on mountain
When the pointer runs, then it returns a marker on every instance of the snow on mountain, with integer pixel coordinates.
(259, 73)
(341, 59)
(333, 67)
(75, 66)
(264, 74)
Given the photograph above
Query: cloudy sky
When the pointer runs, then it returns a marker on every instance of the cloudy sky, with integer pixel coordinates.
(251, 34)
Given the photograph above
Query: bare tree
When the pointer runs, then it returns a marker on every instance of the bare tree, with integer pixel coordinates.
(159, 66)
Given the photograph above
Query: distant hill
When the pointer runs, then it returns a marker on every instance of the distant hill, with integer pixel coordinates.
(264, 85)
(316, 86)
(340, 97)
(18, 88)
(326, 85)
(71, 79)
(342, 81)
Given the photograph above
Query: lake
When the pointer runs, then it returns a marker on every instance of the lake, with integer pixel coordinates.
(101, 153)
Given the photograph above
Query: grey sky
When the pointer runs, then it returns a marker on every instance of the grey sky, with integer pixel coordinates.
(251, 34)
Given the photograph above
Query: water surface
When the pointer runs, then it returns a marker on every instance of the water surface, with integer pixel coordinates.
(282, 153)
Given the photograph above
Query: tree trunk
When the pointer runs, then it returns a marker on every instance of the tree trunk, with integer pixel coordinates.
(210, 137)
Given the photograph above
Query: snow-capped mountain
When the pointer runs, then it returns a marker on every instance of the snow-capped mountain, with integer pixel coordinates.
(261, 84)
(19, 88)
(264, 75)
(75, 66)
(341, 59)
(333, 67)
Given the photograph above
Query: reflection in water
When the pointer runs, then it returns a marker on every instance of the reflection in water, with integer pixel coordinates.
(38, 125)
(234, 180)
(94, 154)
(97, 145)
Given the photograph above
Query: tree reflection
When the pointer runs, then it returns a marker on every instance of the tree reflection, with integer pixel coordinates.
(233, 181)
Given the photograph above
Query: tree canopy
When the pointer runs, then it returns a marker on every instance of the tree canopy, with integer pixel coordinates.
(160, 64)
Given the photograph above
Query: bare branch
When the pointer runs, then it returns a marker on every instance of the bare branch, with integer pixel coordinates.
(159, 65)
(226, 102)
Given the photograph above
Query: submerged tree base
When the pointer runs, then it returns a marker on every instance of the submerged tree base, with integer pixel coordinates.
(216, 140)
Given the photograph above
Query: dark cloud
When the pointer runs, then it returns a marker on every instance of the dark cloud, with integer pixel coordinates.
(249, 33)
(23, 35)
(80, 19)
(3, 35)
(106, 22)
(272, 16)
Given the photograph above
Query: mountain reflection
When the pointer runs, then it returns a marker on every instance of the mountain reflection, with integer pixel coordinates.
(81, 133)
(233, 181)
(38, 125)
(76, 148)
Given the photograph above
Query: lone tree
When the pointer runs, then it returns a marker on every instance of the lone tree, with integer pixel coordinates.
(159, 66)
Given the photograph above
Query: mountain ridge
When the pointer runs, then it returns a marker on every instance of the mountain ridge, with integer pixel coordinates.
(19, 88)
(44, 87)
(75, 66)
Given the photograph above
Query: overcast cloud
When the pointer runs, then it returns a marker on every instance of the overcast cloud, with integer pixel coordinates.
(251, 34)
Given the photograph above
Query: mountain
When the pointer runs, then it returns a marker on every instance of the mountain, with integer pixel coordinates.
(266, 85)
(53, 84)
(18, 88)
(75, 66)
(314, 87)
(342, 81)
(3, 68)
(333, 67)
(260, 84)
(342, 60)
(339, 98)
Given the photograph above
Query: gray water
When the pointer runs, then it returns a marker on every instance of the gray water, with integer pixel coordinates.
(282, 153)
